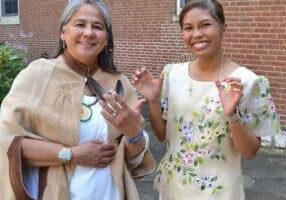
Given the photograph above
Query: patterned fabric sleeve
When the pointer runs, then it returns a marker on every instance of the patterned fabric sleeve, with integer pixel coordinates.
(164, 93)
(258, 110)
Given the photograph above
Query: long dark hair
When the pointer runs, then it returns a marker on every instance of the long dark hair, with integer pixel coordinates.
(105, 58)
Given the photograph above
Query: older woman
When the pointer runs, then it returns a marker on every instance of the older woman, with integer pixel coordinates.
(214, 112)
(65, 136)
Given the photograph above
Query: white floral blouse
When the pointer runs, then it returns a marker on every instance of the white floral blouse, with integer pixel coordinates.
(200, 161)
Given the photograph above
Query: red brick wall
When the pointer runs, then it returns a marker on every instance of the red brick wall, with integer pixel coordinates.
(145, 35)
(256, 37)
(38, 29)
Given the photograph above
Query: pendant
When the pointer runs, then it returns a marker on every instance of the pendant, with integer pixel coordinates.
(86, 112)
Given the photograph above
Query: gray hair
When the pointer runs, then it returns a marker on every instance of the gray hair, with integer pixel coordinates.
(105, 60)
(74, 5)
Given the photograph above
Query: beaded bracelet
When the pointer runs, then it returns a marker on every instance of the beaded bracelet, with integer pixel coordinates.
(136, 138)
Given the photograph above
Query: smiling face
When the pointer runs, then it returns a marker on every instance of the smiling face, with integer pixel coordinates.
(202, 33)
(85, 34)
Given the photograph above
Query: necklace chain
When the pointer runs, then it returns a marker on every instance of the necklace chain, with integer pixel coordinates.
(220, 72)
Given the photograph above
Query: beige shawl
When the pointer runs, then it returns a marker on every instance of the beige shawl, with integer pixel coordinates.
(44, 103)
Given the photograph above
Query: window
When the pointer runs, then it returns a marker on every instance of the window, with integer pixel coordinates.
(179, 6)
(9, 12)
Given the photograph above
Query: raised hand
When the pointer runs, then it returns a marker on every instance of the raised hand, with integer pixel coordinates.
(93, 154)
(230, 92)
(120, 115)
(147, 84)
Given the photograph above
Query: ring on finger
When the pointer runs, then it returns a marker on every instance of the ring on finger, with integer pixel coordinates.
(114, 114)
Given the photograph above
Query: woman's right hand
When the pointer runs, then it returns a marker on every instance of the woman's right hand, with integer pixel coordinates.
(147, 85)
(93, 154)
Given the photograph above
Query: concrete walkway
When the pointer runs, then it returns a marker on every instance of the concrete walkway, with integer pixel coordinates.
(264, 176)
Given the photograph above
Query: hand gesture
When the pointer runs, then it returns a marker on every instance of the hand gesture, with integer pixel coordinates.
(147, 85)
(120, 115)
(230, 92)
(93, 154)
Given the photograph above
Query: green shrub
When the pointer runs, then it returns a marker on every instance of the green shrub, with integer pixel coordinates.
(12, 60)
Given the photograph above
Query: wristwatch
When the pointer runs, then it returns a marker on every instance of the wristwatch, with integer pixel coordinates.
(234, 118)
(65, 155)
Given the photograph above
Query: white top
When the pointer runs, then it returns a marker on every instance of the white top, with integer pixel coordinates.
(93, 183)
(201, 162)
(88, 183)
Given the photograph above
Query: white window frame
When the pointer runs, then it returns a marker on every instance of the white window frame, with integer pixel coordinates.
(179, 5)
(9, 20)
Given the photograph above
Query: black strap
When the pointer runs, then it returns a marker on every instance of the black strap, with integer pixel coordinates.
(97, 90)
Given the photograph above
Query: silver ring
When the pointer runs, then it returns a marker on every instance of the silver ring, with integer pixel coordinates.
(114, 114)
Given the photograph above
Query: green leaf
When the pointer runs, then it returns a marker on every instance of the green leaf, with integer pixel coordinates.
(11, 63)
(181, 119)
(203, 187)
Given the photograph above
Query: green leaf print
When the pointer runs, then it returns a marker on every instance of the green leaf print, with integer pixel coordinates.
(195, 114)
(181, 119)
(210, 124)
(214, 178)
(203, 187)
(215, 125)
(171, 158)
(201, 128)
(204, 145)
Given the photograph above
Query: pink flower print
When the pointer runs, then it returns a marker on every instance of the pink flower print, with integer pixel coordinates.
(189, 158)
(208, 110)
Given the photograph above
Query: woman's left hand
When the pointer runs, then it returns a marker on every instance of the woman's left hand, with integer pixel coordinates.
(230, 92)
(120, 115)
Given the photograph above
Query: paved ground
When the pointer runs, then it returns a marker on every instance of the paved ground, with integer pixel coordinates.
(265, 175)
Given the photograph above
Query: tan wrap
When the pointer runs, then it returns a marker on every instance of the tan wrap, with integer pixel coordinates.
(44, 103)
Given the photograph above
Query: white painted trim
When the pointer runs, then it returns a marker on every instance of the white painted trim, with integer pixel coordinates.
(10, 20)
(179, 7)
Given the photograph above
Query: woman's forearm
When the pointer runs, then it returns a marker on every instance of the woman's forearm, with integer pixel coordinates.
(40, 153)
(132, 150)
(157, 122)
(245, 142)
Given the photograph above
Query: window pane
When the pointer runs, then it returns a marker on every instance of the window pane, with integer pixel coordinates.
(9, 8)
(182, 3)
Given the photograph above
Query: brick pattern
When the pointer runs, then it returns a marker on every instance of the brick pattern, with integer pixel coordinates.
(256, 37)
(38, 27)
(145, 35)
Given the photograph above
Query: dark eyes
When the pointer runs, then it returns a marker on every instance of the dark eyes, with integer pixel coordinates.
(204, 25)
(187, 28)
(82, 25)
(97, 27)
(79, 25)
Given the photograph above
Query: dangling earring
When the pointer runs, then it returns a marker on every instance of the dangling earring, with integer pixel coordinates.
(64, 44)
